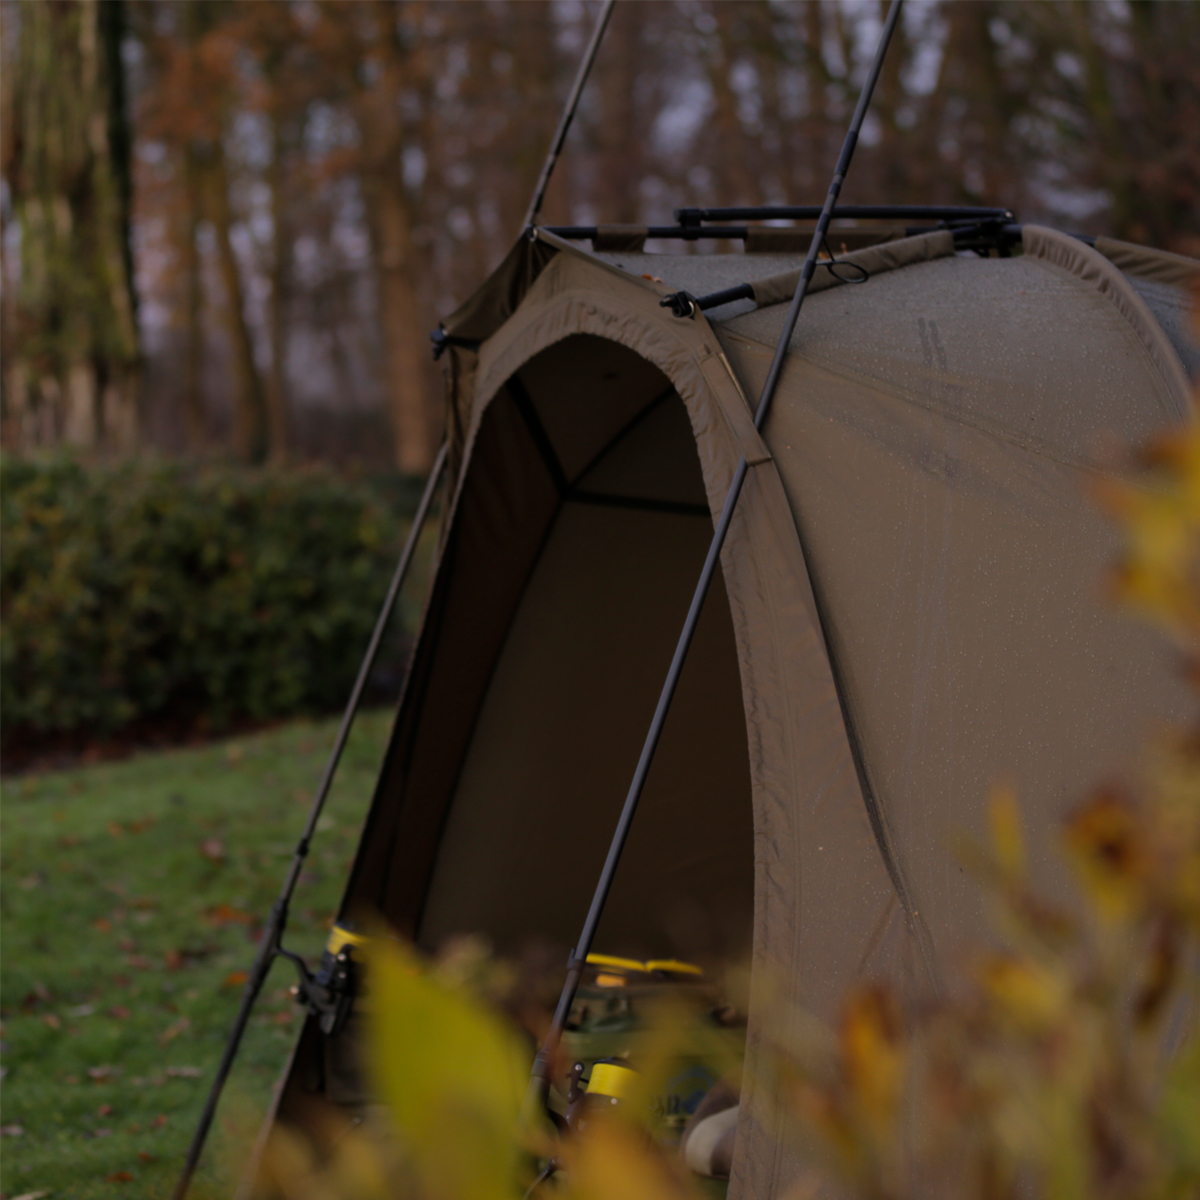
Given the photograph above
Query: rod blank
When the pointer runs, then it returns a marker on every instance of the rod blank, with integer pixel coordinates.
(269, 944)
(568, 115)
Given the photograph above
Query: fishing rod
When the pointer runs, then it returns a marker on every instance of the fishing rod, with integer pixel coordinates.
(568, 114)
(270, 945)
(539, 1083)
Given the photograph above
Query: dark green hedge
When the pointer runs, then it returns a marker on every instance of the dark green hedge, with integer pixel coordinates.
(150, 591)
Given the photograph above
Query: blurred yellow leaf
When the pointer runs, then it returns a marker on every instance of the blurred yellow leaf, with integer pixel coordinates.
(452, 1074)
(616, 1161)
(1160, 571)
(1008, 840)
(1107, 848)
(873, 1055)
(1026, 992)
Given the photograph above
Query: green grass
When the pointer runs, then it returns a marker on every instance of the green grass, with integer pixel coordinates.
(132, 893)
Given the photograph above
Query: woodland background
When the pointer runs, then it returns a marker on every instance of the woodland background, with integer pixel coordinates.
(229, 226)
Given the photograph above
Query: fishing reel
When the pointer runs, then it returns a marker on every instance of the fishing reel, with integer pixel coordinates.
(328, 993)
(610, 1083)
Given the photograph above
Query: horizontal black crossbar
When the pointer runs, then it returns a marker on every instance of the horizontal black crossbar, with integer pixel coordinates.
(986, 235)
(954, 217)
(608, 500)
(861, 212)
(584, 233)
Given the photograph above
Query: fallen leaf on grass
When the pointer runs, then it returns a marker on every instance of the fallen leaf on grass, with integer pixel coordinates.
(146, 1156)
(115, 829)
(105, 1110)
(226, 914)
(141, 824)
(52, 1021)
(119, 1012)
(158, 1122)
(140, 961)
(213, 849)
(173, 1031)
(235, 979)
(12, 1131)
(102, 925)
(184, 1072)
(119, 1177)
(101, 1074)
(39, 995)
(174, 960)
(284, 1017)
(31, 1196)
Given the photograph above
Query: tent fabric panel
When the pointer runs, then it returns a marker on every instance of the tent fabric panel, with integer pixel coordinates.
(875, 260)
(602, 401)
(1017, 347)
(1154, 266)
(558, 738)
(814, 846)
(825, 908)
(579, 294)
(1096, 271)
(702, 274)
(500, 519)
(1175, 311)
(963, 609)
(646, 462)
(1169, 284)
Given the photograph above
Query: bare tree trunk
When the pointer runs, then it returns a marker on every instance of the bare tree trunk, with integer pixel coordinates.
(1116, 166)
(397, 264)
(249, 404)
(619, 136)
(737, 184)
(276, 394)
(195, 424)
(405, 340)
(72, 346)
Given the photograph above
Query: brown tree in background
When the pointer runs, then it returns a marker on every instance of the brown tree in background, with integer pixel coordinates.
(71, 349)
(393, 61)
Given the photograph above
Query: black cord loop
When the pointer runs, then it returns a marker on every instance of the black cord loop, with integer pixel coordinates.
(832, 264)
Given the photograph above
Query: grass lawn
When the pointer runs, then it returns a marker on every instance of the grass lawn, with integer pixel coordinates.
(132, 897)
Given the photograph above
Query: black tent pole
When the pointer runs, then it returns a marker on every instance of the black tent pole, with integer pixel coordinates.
(269, 944)
(540, 1079)
(568, 115)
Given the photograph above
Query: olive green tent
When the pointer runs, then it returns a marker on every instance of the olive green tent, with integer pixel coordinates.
(912, 606)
